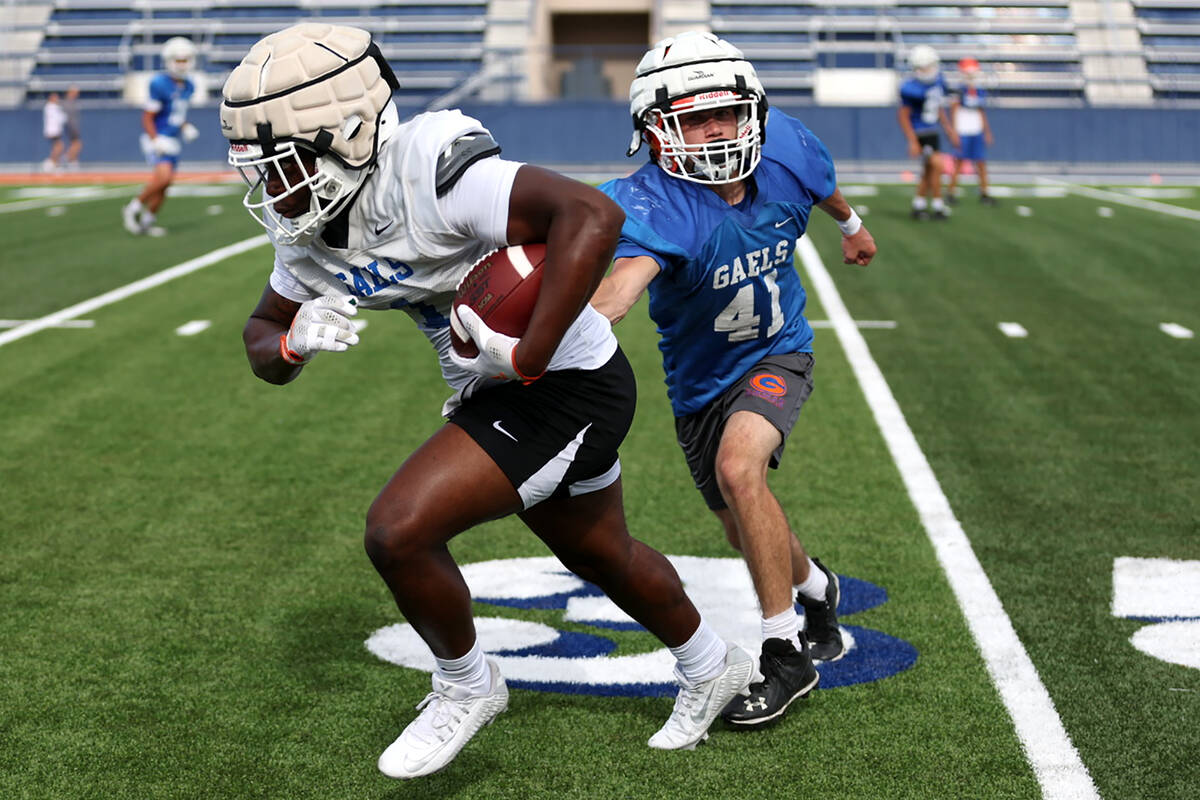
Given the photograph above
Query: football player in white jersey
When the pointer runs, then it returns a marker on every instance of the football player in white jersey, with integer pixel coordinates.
(369, 213)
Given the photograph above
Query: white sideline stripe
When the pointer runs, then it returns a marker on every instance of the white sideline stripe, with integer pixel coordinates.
(1128, 200)
(68, 323)
(1048, 748)
(44, 202)
(116, 295)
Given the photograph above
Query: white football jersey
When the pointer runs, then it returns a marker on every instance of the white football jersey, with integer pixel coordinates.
(406, 248)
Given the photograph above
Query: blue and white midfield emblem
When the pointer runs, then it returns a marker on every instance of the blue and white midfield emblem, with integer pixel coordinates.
(535, 656)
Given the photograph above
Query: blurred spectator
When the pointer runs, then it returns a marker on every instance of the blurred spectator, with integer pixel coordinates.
(71, 109)
(53, 121)
(922, 110)
(971, 125)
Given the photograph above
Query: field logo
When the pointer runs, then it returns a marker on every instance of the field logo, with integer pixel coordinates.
(532, 655)
(1165, 592)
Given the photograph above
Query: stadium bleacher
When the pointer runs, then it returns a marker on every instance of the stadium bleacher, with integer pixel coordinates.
(1170, 34)
(1027, 48)
(96, 44)
(1033, 52)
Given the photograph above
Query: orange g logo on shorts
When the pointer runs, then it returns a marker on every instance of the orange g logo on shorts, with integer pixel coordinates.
(773, 385)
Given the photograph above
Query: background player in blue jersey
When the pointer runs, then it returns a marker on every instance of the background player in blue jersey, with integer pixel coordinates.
(974, 133)
(711, 225)
(922, 111)
(164, 122)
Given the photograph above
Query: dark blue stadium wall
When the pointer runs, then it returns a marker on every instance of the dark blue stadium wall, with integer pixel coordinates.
(592, 133)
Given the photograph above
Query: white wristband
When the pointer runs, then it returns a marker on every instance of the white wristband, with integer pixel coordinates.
(851, 225)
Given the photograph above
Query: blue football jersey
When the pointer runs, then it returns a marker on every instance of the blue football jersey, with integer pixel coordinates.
(728, 294)
(169, 102)
(923, 101)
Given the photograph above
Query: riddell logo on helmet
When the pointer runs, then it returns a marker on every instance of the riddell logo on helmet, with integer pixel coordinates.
(712, 96)
(239, 148)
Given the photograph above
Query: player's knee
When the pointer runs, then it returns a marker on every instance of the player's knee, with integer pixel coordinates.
(390, 540)
(736, 477)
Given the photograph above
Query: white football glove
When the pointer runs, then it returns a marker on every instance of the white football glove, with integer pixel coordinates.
(320, 324)
(189, 132)
(496, 350)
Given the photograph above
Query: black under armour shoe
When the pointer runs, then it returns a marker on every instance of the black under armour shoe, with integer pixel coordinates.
(788, 673)
(820, 620)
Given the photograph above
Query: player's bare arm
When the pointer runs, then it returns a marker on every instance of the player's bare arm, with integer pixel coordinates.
(271, 318)
(580, 226)
(148, 124)
(951, 133)
(914, 147)
(624, 285)
(858, 246)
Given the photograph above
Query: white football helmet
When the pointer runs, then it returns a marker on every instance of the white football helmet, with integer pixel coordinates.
(178, 56)
(697, 71)
(924, 62)
(324, 89)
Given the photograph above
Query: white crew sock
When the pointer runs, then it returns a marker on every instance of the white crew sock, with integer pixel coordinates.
(147, 217)
(784, 625)
(918, 203)
(815, 584)
(937, 204)
(702, 657)
(470, 670)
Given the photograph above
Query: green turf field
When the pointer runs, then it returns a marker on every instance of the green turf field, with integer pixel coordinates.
(187, 599)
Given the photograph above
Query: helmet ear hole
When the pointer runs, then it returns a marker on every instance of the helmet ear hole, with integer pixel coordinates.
(352, 126)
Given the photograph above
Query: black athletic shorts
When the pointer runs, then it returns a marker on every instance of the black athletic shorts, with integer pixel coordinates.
(775, 388)
(930, 142)
(558, 436)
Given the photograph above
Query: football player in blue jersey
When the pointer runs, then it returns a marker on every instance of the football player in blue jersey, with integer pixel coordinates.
(710, 229)
(164, 122)
(974, 133)
(922, 111)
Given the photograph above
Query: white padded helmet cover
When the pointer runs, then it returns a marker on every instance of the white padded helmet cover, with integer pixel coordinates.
(306, 79)
(689, 64)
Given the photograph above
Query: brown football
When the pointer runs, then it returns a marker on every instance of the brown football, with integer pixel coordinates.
(502, 289)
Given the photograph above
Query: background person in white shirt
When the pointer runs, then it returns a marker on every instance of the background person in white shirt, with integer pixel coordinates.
(974, 133)
(54, 119)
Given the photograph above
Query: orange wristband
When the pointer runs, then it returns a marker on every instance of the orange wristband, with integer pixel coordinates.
(288, 355)
(525, 379)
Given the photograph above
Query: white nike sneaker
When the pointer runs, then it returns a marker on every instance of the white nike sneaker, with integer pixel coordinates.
(450, 716)
(129, 216)
(696, 706)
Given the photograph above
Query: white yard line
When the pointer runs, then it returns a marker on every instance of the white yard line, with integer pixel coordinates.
(69, 323)
(1053, 757)
(1127, 200)
(47, 202)
(116, 295)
